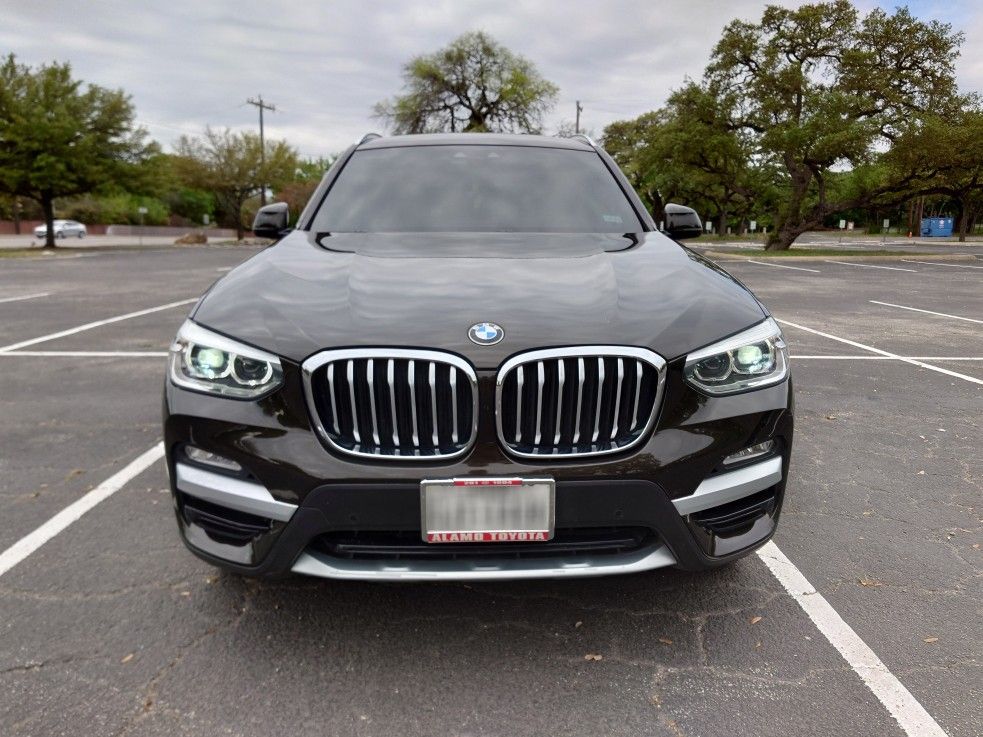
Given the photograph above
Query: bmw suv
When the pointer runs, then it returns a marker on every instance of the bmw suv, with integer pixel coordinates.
(476, 356)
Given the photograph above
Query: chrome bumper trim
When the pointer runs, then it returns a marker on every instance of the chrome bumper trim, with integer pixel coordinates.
(496, 569)
(244, 496)
(730, 486)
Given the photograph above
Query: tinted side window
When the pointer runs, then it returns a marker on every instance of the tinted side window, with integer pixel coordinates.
(476, 188)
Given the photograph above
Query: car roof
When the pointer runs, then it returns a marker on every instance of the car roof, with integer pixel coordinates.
(475, 139)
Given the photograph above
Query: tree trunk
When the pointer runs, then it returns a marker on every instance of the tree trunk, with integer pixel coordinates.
(963, 221)
(792, 223)
(16, 213)
(48, 208)
(722, 223)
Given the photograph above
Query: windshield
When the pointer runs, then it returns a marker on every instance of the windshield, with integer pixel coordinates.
(475, 188)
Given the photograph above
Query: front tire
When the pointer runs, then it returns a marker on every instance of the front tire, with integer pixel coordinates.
(81, 234)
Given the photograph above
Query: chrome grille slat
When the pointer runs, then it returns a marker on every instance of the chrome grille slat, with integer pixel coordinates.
(334, 403)
(351, 399)
(611, 408)
(432, 381)
(600, 396)
(391, 378)
(559, 400)
(580, 399)
(411, 380)
(520, 376)
(617, 398)
(397, 403)
(453, 383)
(369, 374)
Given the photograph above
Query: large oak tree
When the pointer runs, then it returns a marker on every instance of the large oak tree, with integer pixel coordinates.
(473, 85)
(822, 89)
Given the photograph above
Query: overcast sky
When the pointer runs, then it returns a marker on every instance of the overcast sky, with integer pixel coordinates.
(325, 64)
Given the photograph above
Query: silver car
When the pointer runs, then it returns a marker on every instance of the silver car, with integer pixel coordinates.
(63, 229)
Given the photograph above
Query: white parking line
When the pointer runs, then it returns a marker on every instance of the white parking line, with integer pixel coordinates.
(96, 324)
(927, 312)
(936, 263)
(86, 354)
(872, 266)
(25, 296)
(855, 344)
(74, 511)
(783, 266)
(898, 700)
(884, 358)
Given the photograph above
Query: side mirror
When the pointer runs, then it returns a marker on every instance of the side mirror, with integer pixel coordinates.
(271, 221)
(682, 222)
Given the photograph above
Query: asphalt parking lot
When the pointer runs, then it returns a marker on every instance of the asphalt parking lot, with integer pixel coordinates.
(110, 627)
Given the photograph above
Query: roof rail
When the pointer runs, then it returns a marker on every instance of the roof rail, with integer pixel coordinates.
(585, 138)
(369, 137)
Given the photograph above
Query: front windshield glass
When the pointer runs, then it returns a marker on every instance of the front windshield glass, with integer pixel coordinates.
(476, 188)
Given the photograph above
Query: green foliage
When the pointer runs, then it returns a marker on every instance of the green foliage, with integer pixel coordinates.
(818, 88)
(232, 166)
(58, 139)
(475, 84)
(118, 207)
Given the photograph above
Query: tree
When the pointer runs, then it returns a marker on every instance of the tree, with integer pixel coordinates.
(230, 165)
(820, 89)
(473, 85)
(945, 156)
(689, 152)
(58, 139)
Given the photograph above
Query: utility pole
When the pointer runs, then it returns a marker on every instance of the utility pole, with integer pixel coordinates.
(576, 126)
(262, 143)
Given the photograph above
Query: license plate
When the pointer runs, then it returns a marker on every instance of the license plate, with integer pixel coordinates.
(487, 510)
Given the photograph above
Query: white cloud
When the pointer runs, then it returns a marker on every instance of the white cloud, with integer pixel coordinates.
(324, 65)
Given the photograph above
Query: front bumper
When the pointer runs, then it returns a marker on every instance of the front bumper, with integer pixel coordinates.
(580, 505)
(670, 496)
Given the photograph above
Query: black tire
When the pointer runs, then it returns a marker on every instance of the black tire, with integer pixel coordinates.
(59, 234)
(81, 234)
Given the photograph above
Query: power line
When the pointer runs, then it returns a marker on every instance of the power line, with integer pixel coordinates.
(259, 103)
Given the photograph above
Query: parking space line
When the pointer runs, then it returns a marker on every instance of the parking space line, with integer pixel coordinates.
(783, 266)
(86, 354)
(24, 296)
(887, 358)
(898, 700)
(96, 324)
(872, 266)
(936, 263)
(888, 354)
(927, 312)
(74, 511)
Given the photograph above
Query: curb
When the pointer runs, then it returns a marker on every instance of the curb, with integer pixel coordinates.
(728, 256)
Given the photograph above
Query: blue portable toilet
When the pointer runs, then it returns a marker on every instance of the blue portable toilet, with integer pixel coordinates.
(936, 227)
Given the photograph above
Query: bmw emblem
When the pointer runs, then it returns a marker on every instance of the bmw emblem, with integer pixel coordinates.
(485, 333)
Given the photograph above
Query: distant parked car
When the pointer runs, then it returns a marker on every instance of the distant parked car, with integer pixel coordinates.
(63, 229)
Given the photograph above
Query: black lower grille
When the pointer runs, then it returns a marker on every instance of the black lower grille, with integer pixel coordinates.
(408, 545)
(223, 525)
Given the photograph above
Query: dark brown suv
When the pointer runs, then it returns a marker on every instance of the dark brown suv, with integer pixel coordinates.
(476, 357)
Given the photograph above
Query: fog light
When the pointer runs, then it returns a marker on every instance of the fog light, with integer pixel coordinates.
(207, 458)
(751, 452)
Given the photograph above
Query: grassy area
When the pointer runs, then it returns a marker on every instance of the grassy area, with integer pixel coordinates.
(796, 251)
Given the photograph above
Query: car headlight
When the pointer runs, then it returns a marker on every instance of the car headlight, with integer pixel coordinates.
(753, 359)
(204, 361)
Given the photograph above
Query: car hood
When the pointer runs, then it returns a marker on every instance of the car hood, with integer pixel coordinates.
(425, 290)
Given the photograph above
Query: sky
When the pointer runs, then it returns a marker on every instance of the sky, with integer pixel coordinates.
(325, 64)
